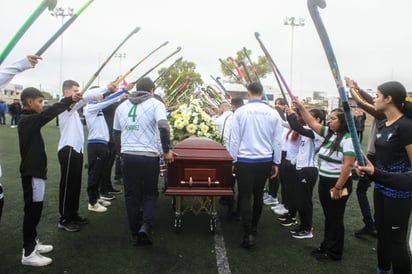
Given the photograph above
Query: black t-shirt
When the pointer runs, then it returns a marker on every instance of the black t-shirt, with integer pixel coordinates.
(390, 143)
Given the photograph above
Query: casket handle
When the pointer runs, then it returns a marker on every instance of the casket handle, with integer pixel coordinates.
(209, 182)
(190, 182)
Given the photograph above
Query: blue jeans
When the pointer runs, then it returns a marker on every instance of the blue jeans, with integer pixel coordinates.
(140, 179)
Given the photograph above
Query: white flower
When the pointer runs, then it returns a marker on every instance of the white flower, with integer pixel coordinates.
(191, 128)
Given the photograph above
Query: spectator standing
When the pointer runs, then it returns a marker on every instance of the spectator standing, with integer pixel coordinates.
(15, 109)
(360, 125)
(3, 111)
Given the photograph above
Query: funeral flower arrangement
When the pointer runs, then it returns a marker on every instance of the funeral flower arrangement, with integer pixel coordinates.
(190, 120)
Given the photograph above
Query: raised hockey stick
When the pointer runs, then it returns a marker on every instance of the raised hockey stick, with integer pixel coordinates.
(50, 4)
(63, 28)
(96, 74)
(333, 64)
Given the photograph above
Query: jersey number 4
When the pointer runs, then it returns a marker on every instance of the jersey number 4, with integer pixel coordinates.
(132, 113)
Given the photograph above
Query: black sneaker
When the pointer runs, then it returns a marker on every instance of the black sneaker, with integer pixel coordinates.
(145, 235)
(107, 196)
(371, 231)
(289, 222)
(295, 230)
(284, 217)
(68, 226)
(317, 251)
(248, 241)
(114, 191)
(324, 257)
(303, 234)
(78, 220)
(134, 239)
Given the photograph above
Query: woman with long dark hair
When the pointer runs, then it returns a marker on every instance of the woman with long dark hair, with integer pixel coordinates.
(393, 177)
(306, 170)
(336, 159)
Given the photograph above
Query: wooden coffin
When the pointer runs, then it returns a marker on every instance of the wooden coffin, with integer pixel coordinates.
(202, 167)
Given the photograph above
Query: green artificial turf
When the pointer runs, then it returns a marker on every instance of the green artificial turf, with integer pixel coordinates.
(104, 245)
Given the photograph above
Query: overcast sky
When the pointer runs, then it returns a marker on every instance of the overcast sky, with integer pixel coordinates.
(372, 39)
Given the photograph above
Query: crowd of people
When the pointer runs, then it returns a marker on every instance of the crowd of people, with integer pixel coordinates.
(300, 147)
(286, 147)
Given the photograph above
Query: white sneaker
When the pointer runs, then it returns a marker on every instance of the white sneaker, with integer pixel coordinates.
(43, 248)
(35, 259)
(104, 202)
(276, 206)
(266, 195)
(97, 208)
(271, 201)
(281, 210)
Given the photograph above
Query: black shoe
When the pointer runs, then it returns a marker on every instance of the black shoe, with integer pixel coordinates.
(134, 239)
(289, 222)
(69, 226)
(248, 241)
(107, 196)
(78, 220)
(295, 230)
(283, 217)
(317, 251)
(114, 191)
(145, 235)
(371, 231)
(324, 257)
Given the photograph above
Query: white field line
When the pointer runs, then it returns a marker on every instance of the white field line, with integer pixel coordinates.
(222, 262)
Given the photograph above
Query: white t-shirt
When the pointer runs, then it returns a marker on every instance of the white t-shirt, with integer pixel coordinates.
(330, 164)
(138, 125)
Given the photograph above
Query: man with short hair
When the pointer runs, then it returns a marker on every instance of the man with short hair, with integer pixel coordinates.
(70, 154)
(255, 146)
(141, 122)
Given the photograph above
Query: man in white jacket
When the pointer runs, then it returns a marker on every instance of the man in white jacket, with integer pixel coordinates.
(255, 146)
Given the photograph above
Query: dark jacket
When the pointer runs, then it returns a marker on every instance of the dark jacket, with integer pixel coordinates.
(32, 151)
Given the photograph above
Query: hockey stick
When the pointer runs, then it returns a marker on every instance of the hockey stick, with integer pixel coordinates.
(138, 63)
(63, 28)
(275, 69)
(50, 4)
(167, 71)
(255, 72)
(229, 97)
(246, 70)
(231, 71)
(323, 35)
(237, 68)
(251, 63)
(96, 74)
(161, 62)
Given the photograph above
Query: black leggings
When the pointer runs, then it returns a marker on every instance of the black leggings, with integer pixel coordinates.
(392, 219)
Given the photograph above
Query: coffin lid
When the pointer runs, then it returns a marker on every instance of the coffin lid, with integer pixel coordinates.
(201, 147)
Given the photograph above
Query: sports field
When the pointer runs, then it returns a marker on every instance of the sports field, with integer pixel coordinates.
(104, 246)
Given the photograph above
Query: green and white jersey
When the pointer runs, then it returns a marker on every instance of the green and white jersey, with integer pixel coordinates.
(330, 164)
(138, 124)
